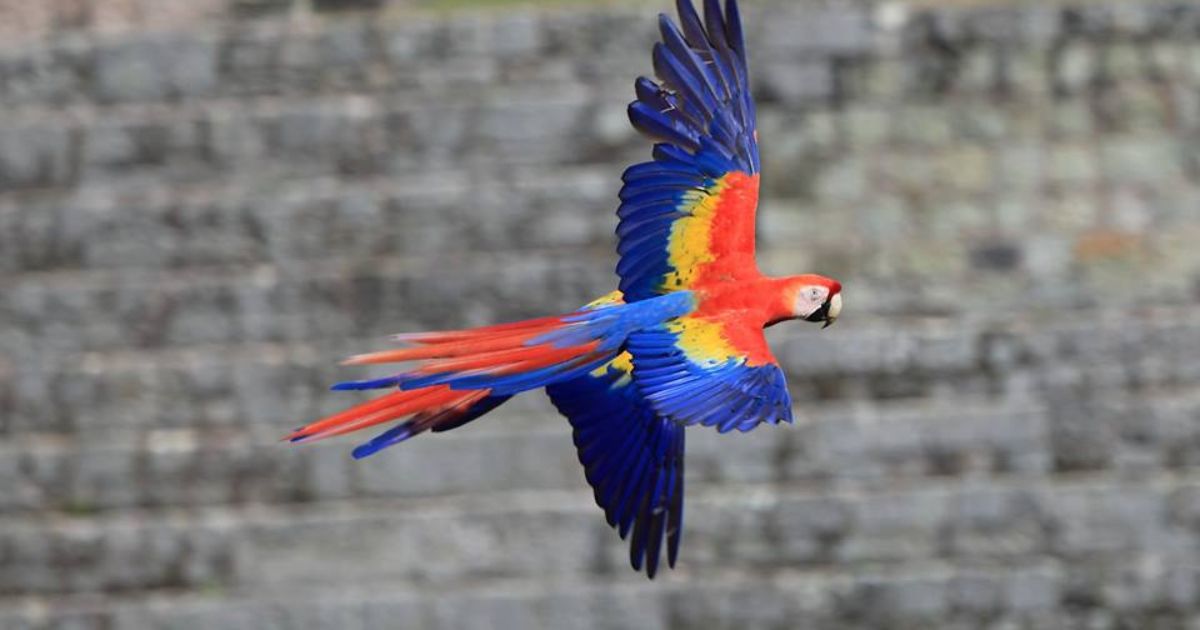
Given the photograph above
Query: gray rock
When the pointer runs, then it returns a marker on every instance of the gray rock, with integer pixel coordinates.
(152, 69)
(36, 156)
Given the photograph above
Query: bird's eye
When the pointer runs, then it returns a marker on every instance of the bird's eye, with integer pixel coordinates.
(813, 294)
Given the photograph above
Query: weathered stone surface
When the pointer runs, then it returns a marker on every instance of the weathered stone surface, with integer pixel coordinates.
(156, 68)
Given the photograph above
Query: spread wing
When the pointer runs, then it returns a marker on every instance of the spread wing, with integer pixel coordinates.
(711, 371)
(632, 457)
(687, 220)
(688, 214)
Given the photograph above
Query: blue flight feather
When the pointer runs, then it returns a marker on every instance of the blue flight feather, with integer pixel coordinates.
(702, 111)
(625, 448)
(730, 395)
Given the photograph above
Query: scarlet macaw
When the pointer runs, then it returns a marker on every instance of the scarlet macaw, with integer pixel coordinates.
(680, 343)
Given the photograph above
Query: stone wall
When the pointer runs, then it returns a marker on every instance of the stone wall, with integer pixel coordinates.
(195, 223)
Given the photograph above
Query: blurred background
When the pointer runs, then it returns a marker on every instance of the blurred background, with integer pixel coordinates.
(205, 205)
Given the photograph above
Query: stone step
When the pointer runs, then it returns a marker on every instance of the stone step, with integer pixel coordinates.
(418, 54)
(218, 387)
(387, 54)
(240, 222)
(314, 301)
(74, 360)
(344, 135)
(421, 54)
(910, 597)
(356, 134)
(528, 447)
(554, 536)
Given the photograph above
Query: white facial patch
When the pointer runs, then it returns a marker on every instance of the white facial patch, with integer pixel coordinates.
(809, 299)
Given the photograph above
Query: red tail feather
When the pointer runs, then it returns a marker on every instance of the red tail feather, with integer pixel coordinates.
(447, 336)
(501, 351)
(439, 350)
(388, 407)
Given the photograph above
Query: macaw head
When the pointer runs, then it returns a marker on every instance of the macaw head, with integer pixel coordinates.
(818, 299)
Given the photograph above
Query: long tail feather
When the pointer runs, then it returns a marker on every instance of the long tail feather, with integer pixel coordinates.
(447, 336)
(436, 349)
(456, 376)
(388, 407)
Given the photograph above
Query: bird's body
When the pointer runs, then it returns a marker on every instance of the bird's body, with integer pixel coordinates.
(680, 343)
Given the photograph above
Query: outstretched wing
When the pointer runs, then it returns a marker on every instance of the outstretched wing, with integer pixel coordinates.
(632, 458)
(687, 220)
(688, 215)
(710, 371)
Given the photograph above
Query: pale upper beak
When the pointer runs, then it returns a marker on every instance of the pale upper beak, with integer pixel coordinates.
(835, 309)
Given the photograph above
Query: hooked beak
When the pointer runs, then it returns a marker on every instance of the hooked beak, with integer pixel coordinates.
(833, 309)
(828, 312)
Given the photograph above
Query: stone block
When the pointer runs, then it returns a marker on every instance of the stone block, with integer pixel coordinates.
(517, 34)
(978, 123)
(1142, 159)
(841, 181)
(1033, 590)
(156, 68)
(1071, 118)
(1072, 165)
(346, 47)
(259, 8)
(965, 169)
(796, 83)
(1075, 67)
(833, 30)
(893, 528)
(976, 594)
(36, 156)
(346, 5)
(922, 126)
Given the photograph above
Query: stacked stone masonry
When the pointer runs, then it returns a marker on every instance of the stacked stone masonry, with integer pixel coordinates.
(201, 210)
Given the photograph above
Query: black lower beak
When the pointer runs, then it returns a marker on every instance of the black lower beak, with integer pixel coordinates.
(820, 315)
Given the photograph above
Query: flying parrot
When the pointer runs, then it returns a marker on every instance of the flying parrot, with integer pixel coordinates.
(680, 343)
